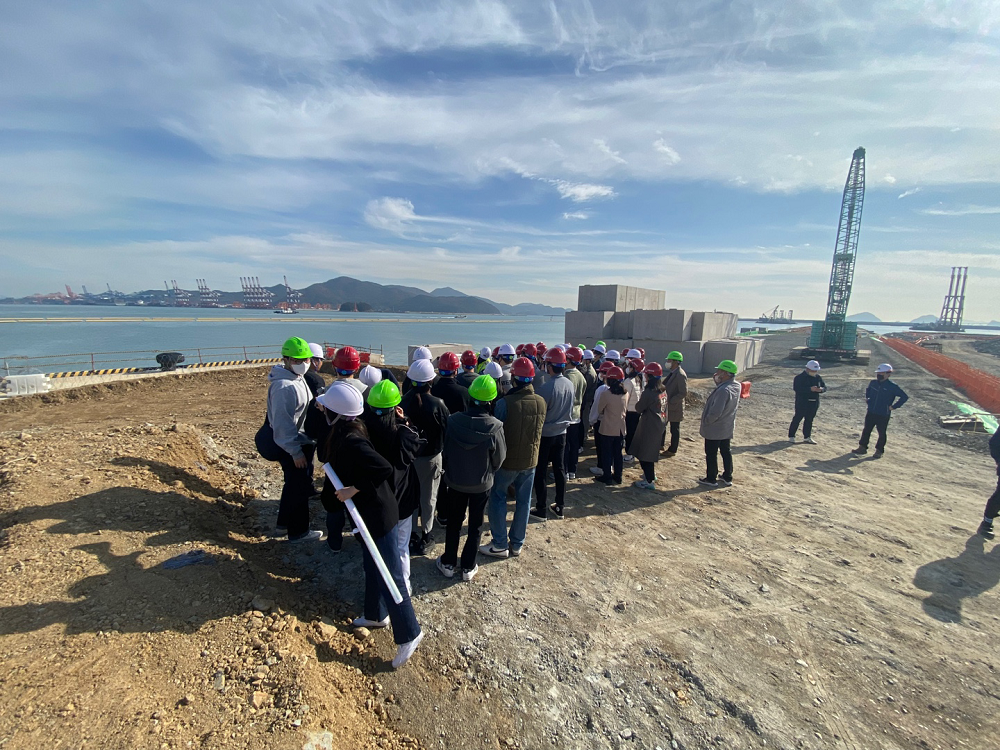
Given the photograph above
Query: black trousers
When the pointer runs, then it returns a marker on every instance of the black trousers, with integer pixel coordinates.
(552, 450)
(572, 452)
(993, 504)
(611, 458)
(878, 422)
(648, 470)
(805, 411)
(675, 436)
(712, 450)
(458, 503)
(293, 508)
(631, 423)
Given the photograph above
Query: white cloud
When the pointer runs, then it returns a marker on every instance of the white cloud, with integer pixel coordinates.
(889, 179)
(605, 149)
(671, 155)
(908, 193)
(965, 211)
(581, 192)
(576, 215)
(393, 214)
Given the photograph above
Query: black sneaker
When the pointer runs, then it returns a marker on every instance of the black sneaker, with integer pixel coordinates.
(725, 482)
(859, 451)
(876, 454)
(417, 546)
(557, 509)
(985, 529)
(539, 514)
(706, 482)
(601, 480)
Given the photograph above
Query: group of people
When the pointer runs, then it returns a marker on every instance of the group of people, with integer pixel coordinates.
(462, 433)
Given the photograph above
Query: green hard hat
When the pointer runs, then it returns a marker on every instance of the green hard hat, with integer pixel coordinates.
(601, 343)
(296, 348)
(727, 365)
(483, 388)
(675, 356)
(384, 395)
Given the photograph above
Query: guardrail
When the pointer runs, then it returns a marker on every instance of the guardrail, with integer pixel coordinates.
(133, 361)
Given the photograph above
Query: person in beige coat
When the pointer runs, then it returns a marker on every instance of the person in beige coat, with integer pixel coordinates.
(611, 407)
(675, 381)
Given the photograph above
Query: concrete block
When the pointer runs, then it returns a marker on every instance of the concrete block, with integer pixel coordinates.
(657, 351)
(588, 326)
(742, 351)
(618, 298)
(437, 350)
(662, 325)
(621, 325)
(708, 326)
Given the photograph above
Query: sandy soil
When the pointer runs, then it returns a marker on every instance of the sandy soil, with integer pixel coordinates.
(822, 601)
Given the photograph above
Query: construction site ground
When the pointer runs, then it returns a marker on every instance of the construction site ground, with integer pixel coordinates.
(823, 601)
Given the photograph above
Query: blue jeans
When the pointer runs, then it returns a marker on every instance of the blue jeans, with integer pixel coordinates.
(378, 600)
(522, 481)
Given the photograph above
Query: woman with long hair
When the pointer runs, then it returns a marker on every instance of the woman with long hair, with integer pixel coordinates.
(651, 408)
(611, 407)
(366, 475)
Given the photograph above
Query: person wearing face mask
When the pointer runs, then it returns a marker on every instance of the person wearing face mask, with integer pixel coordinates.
(675, 381)
(634, 365)
(505, 358)
(883, 397)
(718, 423)
(282, 438)
(807, 386)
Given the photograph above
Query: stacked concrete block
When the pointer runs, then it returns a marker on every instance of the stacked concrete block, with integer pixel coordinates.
(621, 325)
(618, 298)
(706, 326)
(657, 351)
(589, 325)
(662, 325)
(745, 352)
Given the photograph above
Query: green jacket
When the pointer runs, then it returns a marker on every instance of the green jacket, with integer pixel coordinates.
(579, 388)
(522, 412)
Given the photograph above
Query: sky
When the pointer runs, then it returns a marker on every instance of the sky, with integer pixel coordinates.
(513, 150)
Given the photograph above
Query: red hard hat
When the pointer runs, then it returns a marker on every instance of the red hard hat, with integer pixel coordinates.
(654, 368)
(530, 350)
(605, 366)
(540, 350)
(638, 365)
(496, 349)
(555, 356)
(522, 368)
(519, 349)
(540, 345)
(347, 358)
(642, 352)
(469, 358)
(574, 354)
(448, 362)
(614, 373)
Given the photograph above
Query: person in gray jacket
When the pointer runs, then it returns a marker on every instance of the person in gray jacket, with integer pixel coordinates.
(474, 449)
(718, 422)
(559, 395)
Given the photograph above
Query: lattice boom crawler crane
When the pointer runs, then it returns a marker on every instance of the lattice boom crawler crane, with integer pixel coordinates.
(836, 338)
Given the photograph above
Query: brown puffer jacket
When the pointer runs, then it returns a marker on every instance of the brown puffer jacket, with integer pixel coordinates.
(523, 414)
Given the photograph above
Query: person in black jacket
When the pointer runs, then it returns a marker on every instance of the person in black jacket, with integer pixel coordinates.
(474, 448)
(429, 416)
(455, 397)
(366, 477)
(398, 443)
(993, 504)
(807, 386)
(468, 374)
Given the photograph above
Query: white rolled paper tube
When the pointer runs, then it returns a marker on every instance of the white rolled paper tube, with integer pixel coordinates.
(366, 536)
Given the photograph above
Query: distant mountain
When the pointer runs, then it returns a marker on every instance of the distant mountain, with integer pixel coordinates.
(447, 291)
(865, 317)
(925, 319)
(464, 304)
(995, 323)
(524, 308)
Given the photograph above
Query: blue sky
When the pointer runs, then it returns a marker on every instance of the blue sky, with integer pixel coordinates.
(509, 149)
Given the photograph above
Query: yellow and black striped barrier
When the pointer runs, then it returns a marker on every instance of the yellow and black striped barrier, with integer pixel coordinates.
(181, 368)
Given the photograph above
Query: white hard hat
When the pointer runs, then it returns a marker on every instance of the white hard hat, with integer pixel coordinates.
(342, 398)
(600, 349)
(316, 350)
(506, 349)
(485, 352)
(421, 371)
(370, 375)
(587, 354)
(613, 354)
(562, 347)
(422, 352)
(885, 367)
(494, 370)
(812, 364)
(633, 354)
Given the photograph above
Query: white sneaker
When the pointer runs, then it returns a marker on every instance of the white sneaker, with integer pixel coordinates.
(491, 551)
(628, 459)
(468, 575)
(570, 475)
(791, 440)
(810, 441)
(310, 536)
(364, 622)
(405, 651)
(596, 471)
(447, 570)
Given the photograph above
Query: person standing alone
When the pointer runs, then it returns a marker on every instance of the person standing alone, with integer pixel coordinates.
(993, 504)
(883, 397)
(807, 386)
(718, 423)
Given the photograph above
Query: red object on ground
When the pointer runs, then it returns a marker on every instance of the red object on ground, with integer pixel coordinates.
(745, 389)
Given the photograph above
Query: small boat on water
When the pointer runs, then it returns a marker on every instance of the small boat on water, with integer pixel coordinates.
(286, 311)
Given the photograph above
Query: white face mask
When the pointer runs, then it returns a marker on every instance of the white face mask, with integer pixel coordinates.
(717, 378)
(299, 368)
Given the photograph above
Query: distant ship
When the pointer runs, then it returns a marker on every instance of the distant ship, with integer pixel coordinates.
(286, 311)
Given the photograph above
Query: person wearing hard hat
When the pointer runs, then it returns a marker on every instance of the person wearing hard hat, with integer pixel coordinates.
(883, 397)
(574, 358)
(633, 386)
(485, 357)
(648, 438)
(558, 394)
(993, 504)
(312, 377)
(522, 412)
(421, 352)
(430, 416)
(474, 449)
(589, 373)
(807, 386)
(346, 362)
(370, 376)
(282, 438)
(455, 397)
(611, 407)
(468, 374)
(366, 478)
(675, 384)
(505, 358)
(718, 423)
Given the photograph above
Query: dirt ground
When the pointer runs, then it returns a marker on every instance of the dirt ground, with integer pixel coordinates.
(823, 601)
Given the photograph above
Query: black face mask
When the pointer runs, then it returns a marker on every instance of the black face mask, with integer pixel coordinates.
(880, 376)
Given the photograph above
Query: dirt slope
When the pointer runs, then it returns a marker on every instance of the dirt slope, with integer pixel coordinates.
(822, 601)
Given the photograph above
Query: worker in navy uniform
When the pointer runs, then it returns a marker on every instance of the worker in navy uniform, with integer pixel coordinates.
(883, 397)
(807, 386)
